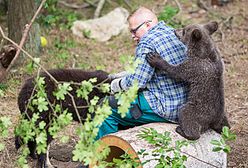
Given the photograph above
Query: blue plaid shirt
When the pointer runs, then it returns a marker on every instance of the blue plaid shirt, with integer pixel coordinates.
(164, 94)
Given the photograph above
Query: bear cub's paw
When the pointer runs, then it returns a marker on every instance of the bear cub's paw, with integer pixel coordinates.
(154, 59)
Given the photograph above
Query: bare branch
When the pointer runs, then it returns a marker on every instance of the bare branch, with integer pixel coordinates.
(75, 6)
(179, 7)
(128, 3)
(99, 8)
(22, 42)
(202, 5)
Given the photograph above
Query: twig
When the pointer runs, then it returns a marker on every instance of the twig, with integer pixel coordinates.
(24, 37)
(202, 5)
(91, 3)
(75, 6)
(128, 4)
(199, 159)
(99, 8)
(179, 7)
(238, 108)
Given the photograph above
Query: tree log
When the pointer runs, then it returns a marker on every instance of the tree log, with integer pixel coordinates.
(127, 140)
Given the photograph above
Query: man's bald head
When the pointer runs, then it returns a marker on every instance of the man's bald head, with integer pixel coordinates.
(140, 22)
(143, 14)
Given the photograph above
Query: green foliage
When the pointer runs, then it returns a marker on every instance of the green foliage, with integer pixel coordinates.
(86, 33)
(3, 87)
(22, 160)
(85, 88)
(126, 98)
(125, 161)
(54, 16)
(61, 51)
(167, 154)
(62, 90)
(220, 145)
(4, 125)
(168, 14)
(32, 65)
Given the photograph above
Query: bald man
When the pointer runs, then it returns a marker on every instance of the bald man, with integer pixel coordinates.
(160, 96)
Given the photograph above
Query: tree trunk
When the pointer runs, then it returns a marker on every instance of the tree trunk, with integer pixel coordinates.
(20, 13)
(127, 140)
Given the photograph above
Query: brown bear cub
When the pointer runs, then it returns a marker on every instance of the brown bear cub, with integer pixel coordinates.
(61, 75)
(203, 71)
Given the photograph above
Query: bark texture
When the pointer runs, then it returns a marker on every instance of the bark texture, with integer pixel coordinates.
(20, 13)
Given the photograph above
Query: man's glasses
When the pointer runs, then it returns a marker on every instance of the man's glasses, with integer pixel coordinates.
(133, 31)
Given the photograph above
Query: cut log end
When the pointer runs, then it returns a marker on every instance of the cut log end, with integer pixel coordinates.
(118, 146)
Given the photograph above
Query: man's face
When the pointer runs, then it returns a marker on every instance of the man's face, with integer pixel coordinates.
(138, 28)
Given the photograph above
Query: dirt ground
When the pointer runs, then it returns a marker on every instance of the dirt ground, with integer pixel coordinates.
(231, 38)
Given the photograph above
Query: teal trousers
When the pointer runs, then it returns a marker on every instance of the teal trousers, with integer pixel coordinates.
(110, 125)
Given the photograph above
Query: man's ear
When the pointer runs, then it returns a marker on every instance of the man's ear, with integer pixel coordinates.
(196, 34)
(211, 27)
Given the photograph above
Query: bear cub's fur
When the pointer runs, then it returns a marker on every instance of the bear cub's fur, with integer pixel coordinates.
(203, 71)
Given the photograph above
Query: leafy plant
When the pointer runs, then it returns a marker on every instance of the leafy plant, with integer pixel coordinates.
(168, 14)
(124, 161)
(30, 67)
(220, 145)
(166, 153)
(54, 16)
(4, 125)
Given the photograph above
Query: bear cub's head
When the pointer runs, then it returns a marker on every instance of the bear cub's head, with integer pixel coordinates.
(198, 37)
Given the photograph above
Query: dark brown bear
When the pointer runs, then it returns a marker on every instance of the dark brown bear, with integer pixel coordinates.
(60, 75)
(203, 70)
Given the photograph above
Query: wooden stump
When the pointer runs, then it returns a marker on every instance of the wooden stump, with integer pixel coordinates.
(127, 140)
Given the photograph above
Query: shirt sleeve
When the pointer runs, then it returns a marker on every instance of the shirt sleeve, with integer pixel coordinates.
(143, 72)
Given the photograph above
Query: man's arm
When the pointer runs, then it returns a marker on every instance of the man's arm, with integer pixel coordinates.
(143, 72)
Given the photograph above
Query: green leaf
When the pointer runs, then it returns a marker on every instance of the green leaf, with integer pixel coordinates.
(42, 125)
(5, 121)
(217, 149)
(42, 104)
(227, 149)
(215, 142)
(64, 139)
(62, 90)
(41, 138)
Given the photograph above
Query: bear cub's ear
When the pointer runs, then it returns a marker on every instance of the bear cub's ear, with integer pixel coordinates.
(211, 27)
(196, 34)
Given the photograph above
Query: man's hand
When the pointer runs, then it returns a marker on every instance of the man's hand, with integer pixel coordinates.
(116, 85)
(117, 75)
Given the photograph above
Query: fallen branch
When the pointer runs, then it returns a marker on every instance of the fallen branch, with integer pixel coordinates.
(22, 42)
(128, 3)
(179, 8)
(99, 8)
(75, 6)
(91, 3)
(202, 5)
